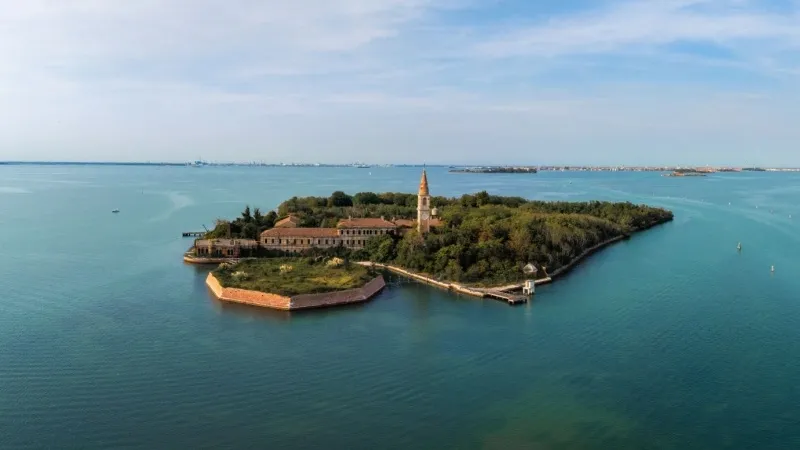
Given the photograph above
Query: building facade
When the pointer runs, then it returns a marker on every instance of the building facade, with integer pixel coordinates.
(225, 248)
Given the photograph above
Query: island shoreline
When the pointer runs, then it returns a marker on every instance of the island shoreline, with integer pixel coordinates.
(482, 292)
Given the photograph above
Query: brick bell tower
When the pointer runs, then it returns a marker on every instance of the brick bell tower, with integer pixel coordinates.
(423, 205)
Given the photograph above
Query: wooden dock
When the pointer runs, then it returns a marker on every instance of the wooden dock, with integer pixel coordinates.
(512, 299)
(193, 233)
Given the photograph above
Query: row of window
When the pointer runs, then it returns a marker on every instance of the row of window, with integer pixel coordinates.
(300, 241)
(274, 241)
(362, 232)
(204, 252)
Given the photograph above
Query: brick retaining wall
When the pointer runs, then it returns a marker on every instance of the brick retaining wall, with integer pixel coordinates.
(307, 301)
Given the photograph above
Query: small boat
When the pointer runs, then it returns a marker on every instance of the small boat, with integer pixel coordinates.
(115, 211)
(772, 269)
(739, 246)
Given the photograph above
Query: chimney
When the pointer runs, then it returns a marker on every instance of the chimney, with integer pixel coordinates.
(349, 217)
(382, 218)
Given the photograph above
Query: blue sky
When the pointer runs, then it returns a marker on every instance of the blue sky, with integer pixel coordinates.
(436, 81)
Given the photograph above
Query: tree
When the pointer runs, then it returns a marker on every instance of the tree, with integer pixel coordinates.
(366, 198)
(340, 199)
(380, 248)
(246, 216)
(482, 198)
(257, 217)
(250, 231)
(269, 220)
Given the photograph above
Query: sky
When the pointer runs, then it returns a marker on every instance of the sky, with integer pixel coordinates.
(402, 81)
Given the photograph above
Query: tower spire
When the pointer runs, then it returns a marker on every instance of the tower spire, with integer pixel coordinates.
(423, 205)
(423, 184)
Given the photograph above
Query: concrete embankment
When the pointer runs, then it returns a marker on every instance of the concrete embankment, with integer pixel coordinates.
(449, 286)
(307, 301)
(563, 270)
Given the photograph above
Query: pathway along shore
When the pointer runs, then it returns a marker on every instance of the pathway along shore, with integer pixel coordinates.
(482, 292)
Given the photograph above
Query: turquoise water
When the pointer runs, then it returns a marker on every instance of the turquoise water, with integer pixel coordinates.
(670, 340)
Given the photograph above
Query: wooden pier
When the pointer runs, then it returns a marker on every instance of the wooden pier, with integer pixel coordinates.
(512, 299)
(193, 233)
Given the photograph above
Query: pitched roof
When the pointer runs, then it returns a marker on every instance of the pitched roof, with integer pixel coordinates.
(423, 184)
(408, 223)
(300, 232)
(405, 223)
(366, 223)
(288, 222)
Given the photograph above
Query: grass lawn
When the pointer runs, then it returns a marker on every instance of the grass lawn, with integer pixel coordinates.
(298, 276)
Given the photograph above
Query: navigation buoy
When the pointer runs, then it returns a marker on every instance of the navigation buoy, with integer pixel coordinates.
(772, 269)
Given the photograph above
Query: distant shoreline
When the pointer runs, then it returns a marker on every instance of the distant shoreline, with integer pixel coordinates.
(454, 168)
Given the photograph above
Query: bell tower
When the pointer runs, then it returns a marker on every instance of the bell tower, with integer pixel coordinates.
(423, 205)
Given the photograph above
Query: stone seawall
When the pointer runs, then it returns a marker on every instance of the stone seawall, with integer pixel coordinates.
(296, 302)
(359, 295)
(449, 286)
(246, 297)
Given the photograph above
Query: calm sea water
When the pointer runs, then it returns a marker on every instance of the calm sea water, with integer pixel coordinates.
(670, 340)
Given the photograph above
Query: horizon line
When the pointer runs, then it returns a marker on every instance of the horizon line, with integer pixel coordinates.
(263, 163)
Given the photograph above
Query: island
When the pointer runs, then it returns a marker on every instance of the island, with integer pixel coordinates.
(686, 173)
(522, 169)
(478, 244)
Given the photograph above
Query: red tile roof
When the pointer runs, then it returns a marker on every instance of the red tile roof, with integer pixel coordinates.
(300, 232)
(408, 223)
(366, 223)
(405, 223)
(288, 222)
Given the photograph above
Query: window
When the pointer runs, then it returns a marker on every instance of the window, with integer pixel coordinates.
(424, 201)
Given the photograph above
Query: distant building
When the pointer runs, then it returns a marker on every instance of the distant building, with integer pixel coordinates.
(290, 221)
(225, 248)
(351, 233)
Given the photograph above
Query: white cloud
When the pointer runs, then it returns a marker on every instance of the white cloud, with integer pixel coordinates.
(634, 25)
(337, 79)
